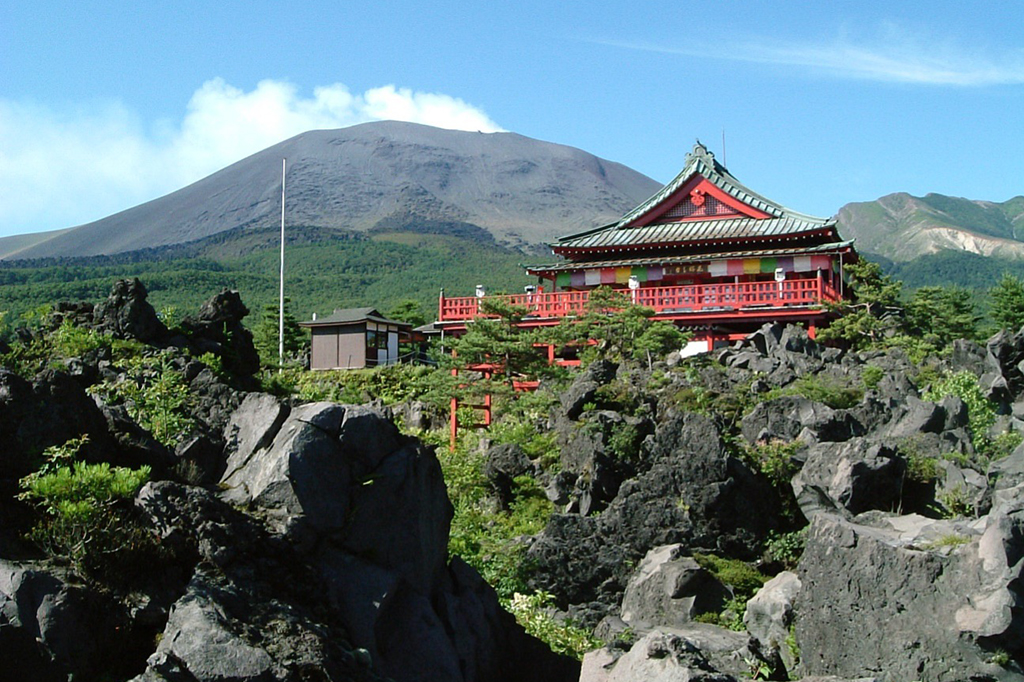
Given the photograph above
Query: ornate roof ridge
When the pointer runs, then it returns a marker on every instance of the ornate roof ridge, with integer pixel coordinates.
(702, 161)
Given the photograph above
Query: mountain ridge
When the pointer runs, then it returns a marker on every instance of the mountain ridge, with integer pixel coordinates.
(903, 227)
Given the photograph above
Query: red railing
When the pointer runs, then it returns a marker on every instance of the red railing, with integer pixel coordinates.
(694, 298)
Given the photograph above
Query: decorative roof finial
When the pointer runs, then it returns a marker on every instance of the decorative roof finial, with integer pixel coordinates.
(699, 150)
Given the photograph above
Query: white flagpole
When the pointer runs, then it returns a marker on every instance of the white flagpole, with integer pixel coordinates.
(280, 312)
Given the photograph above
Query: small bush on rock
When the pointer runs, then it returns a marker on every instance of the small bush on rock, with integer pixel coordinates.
(85, 517)
(786, 548)
(774, 459)
(156, 396)
(831, 392)
(981, 411)
(743, 578)
(534, 612)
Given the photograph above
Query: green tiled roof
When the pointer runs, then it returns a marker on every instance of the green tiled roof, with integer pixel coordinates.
(567, 266)
(351, 316)
(781, 220)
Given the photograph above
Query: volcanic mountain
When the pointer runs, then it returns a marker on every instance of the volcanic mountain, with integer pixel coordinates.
(381, 176)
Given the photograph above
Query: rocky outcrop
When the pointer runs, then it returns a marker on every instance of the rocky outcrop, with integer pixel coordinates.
(770, 616)
(660, 655)
(126, 314)
(218, 329)
(368, 506)
(694, 492)
(502, 465)
(670, 589)
(52, 629)
(316, 550)
(855, 476)
(882, 598)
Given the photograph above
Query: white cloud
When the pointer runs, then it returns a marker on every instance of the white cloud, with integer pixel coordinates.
(59, 169)
(895, 56)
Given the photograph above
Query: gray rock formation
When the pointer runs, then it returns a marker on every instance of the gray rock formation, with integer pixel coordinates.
(770, 616)
(855, 476)
(126, 314)
(670, 589)
(661, 656)
(873, 601)
(788, 417)
(51, 629)
(694, 492)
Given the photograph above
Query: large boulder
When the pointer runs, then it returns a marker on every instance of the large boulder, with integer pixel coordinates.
(1003, 360)
(223, 630)
(660, 656)
(342, 471)
(770, 615)
(584, 387)
(502, 465)
(51, 629)
(218, 329)
(787, 417)
(54, 408)
(600, 451)
(670, 589)
(879, 597)
(855, 476)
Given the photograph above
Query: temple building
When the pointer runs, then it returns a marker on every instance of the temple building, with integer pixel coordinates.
(705, 252)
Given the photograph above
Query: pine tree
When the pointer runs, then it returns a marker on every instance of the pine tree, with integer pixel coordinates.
(940, 315)
(1008, 302)
(266, 336)
(874, 315)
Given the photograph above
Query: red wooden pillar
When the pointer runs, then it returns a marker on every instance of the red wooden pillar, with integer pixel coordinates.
(812, 330)
(453, 418)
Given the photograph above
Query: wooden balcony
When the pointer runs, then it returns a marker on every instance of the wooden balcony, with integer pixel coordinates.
(678, 302)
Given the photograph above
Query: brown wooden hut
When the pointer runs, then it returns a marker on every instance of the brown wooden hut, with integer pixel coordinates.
(354, 338)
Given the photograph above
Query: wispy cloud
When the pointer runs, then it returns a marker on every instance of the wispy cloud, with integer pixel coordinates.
(894, 57)
(63, 168)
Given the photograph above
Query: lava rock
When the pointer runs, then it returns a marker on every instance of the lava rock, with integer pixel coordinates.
(770, 615)
(502, 464)
(854, 476)
(126, 314)
(670, 589)
(874, 598)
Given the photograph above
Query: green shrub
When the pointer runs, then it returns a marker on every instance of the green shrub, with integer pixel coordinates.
(743, 578)
(955, 503)
(871, 376)
(981, 411)
(730, 617)
(533, 612)
(921, 468)
(774, 459)
(482, 534)
(624, 442)
(155, 395)
(951, 540)
(821, 389)
(85, 515)
(786, 548)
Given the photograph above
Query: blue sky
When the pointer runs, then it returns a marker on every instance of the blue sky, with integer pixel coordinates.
(104, 105)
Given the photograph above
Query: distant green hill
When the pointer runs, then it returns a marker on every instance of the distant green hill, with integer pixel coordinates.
(902, 227)
(325, 269)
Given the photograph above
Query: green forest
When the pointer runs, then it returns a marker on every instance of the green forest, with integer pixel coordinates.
(325, 269)
(328, 269)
